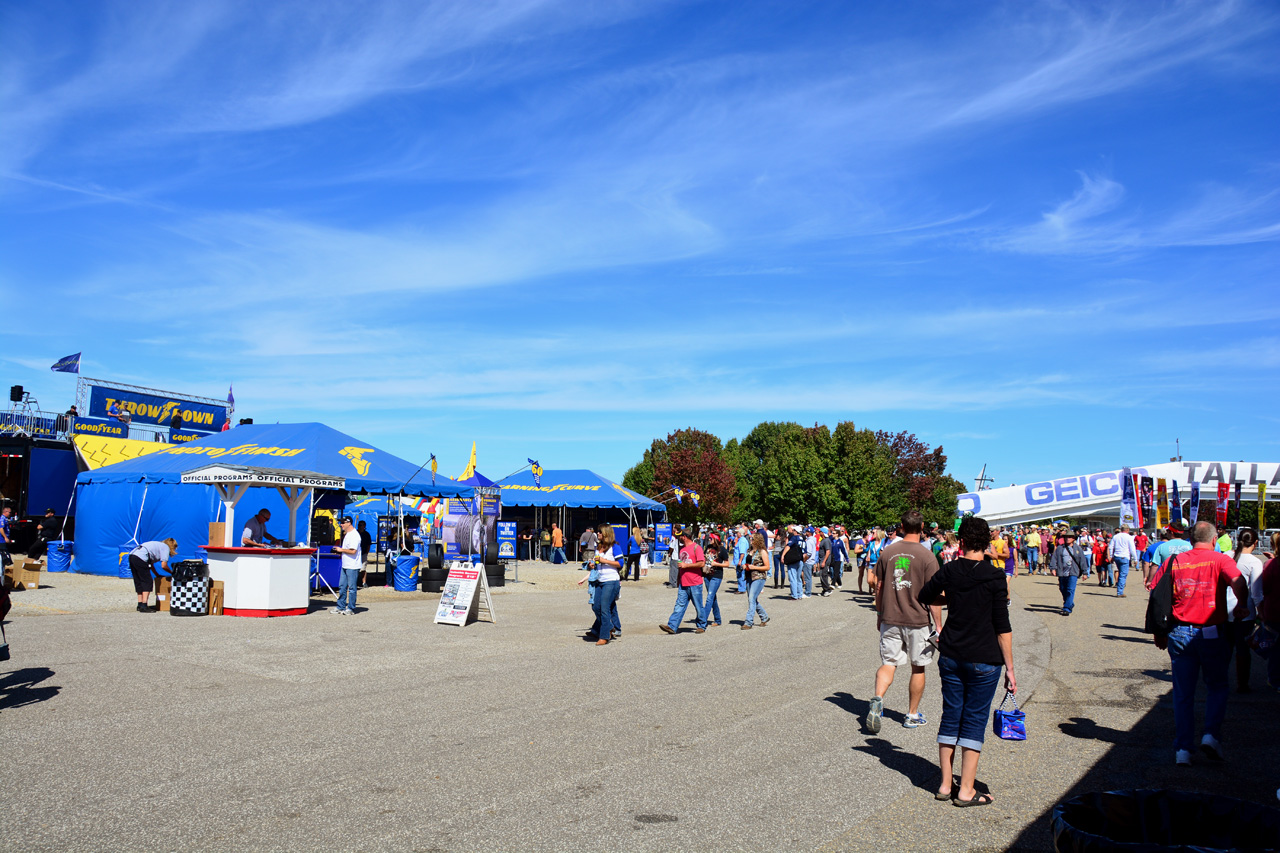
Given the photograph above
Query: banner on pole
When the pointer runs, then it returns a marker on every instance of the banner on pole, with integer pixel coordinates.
(1224, 501)
(1175, 506)
(1262, 507)
(1162, 503)
(1128, 500)
(1239, 520)
(1147, 499)
(1195, 501)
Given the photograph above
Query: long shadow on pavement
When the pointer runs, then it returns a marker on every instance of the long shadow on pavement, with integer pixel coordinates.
(19, 688)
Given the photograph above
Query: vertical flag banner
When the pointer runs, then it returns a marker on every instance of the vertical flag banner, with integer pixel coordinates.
(1175, 504)
(1239, 520)
(1146, 499)
(433, 469)
(1262, 507)
(1162, 503)
(471, 463)
(67, 364)
(695, 497)
(1128, 501)
(536, 469)
(1137, 490)
(1195, 501)
(231, 397)
(1224, 500)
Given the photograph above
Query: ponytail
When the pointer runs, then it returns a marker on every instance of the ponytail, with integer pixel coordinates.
(1248, 536)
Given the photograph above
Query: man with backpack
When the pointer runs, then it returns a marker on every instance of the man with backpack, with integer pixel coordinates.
(793, 559)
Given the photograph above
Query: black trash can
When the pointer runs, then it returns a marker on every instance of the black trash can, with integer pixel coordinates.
(189, 591)
(1147, 821)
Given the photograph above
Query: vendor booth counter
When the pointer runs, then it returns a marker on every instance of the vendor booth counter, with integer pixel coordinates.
(262, 581)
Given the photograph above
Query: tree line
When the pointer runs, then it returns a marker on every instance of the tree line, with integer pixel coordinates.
(784, 473)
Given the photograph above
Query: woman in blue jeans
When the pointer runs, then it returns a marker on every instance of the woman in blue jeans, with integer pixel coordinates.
(608, 559)
(976, 641)
(757, 563)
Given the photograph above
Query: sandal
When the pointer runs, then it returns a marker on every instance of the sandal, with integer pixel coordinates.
(979, 799)
(949, 795)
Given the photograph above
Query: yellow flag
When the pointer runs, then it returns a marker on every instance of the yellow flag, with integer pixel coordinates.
(1262, 507)
(471, 465)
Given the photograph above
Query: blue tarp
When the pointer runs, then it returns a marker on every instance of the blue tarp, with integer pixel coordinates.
(110, 500)
(573, 488)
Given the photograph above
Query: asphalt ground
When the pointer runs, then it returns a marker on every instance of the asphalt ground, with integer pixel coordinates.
(385, 732)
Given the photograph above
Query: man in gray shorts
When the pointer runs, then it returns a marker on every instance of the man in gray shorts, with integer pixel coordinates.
(903, 568)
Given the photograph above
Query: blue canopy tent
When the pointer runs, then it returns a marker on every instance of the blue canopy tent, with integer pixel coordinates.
(143, 499)
(575, 488)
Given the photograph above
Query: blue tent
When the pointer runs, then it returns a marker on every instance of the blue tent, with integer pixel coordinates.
(572, 488)
(143, 499)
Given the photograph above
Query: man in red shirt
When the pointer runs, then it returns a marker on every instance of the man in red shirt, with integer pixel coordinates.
(1197, 642)
(692, 560)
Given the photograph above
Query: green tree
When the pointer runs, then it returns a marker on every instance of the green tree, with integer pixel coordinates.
(639, 477)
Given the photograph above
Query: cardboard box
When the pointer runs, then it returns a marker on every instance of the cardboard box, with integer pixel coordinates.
(215, 598)
(217, 533)
(24, 575)
(162, 593)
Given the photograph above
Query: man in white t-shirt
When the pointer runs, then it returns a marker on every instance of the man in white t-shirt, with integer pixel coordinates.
(350, 551)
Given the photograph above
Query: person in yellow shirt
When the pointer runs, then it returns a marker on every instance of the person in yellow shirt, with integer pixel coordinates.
(1033, 551)
(998, 550)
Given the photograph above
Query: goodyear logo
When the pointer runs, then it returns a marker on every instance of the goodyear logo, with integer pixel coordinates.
(116, 430)
(238, 450)
(356, 455)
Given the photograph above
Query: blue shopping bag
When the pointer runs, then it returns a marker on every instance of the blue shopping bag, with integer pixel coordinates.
(1009, 725)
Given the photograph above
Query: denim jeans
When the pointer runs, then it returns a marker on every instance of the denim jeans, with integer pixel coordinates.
(559, 552)
(1190, 653)
(1068, 586)
(807, 574)
(1033, 558)
(793, 578)
(742, 580)
(606, 610)
(1122, 574)
(347, 589)
(687, 594)
(545, 552)
(713, 603)
(753, 602)
(779, 570)
(967, 691)
(1106, 574)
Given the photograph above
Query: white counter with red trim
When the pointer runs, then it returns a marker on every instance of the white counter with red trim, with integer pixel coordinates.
(262, 581)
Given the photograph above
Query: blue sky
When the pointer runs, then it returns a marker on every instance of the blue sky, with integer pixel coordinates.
(1043, 236)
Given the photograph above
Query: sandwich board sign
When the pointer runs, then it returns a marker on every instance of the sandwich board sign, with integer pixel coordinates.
(466, 596)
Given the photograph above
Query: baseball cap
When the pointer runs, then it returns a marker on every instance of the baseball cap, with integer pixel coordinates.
(826, 530)
(346, 519)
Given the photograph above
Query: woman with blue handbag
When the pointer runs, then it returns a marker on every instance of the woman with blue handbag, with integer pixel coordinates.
(605, 584)
(976, 641)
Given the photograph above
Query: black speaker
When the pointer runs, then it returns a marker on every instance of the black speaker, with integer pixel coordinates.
(15, 393)
(244, 421)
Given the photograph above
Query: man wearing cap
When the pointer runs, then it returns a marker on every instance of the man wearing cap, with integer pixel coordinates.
(1175, 542)
(692, 561)
(1123, 551)
(824, 560)
(1068, 563)
(350, 551)
(741, 545)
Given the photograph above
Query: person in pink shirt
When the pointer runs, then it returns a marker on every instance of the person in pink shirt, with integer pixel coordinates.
(692, 560)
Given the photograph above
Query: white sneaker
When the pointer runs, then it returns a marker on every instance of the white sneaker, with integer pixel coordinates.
(1210, 746)
(1182, 758)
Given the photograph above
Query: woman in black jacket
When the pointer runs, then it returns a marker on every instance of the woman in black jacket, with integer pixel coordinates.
(976, 641)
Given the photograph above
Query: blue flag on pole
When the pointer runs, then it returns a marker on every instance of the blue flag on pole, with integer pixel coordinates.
(231, 397)
(536, 470)
(67, 364)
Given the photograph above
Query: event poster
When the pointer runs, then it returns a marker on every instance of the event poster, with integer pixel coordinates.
(1195, 501)
(470, 526)
(1224, 501)
(662, 537)
(459, 593)
(1162, 503)
(1238, 519)
(1146, 499)
(1175, 504)
(1128, 501)
(1262, 507)
(506, 540)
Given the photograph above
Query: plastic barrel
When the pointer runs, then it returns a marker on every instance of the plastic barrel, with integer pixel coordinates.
(406, 573)
(60, 556)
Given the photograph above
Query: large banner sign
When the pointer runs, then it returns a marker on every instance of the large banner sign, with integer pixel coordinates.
(1128, 500)
(1162, 503)
(506, 540)
(1195, 502)
(662, 537)
(470, 526)
(1224, 498)
(1102, 492)
(1176, 507)
(150, 409)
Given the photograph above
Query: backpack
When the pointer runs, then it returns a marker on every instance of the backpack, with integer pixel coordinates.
(795, 553)
(1160, 619)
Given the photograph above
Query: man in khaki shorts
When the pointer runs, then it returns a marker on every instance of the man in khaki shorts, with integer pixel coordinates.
(903, 568)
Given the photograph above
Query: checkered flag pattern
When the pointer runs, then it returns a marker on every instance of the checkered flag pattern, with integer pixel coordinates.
(190, 598)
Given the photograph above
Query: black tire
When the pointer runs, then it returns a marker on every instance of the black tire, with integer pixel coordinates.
(435, 556)
(496, 574)
(433, 579)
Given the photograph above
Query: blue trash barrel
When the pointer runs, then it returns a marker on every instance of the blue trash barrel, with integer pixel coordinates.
(60, 555)
(406, 575)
